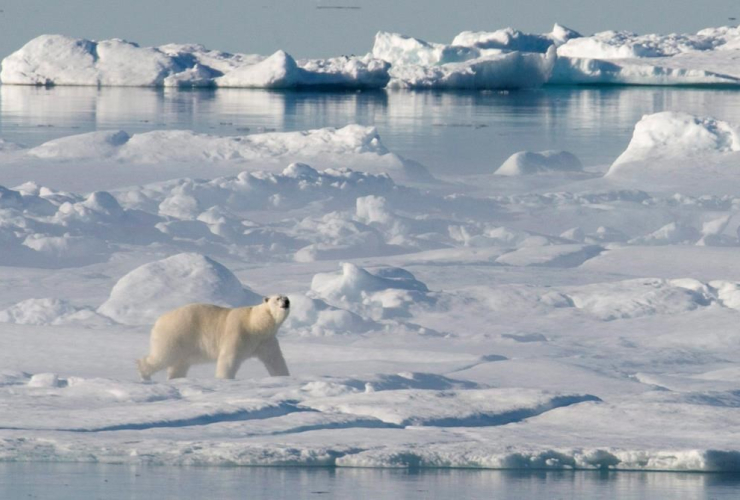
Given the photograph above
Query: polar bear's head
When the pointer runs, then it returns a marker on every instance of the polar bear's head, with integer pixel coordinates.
(279, 306)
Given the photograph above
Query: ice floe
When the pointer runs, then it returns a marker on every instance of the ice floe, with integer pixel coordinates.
(501, 59)
(588, 324)
(62, 60)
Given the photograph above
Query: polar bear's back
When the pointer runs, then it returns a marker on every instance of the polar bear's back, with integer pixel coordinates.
(193, 331)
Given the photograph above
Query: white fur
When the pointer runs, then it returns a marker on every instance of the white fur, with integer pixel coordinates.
(199, 333)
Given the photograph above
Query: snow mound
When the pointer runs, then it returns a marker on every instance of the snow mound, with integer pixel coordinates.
(315, 317)
(625, 44)
(331, 145)
(674, 233)
(641, 297)
(62, 60)
(418, 64)
(142, 295)
(163, 145)
(672, 135)
(44, 312)
(512, 39)
(389, 292)
(528, 163)
(103, 144)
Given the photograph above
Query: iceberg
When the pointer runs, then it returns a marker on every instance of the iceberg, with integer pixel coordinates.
(680, 151)
(511, 39)
(63, 60)
(417, 64)
(501, 59)
(621, 57)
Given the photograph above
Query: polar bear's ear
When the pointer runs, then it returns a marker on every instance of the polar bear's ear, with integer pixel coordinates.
(267, 299)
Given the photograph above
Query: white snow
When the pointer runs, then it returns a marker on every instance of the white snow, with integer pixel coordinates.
(145, 293)
(678, 149)
(511, 39)
(671, 134)
(501, 59)
(62, 60)
(580, 321)
(624, 44)
(528, 163)
(328, 146)
(621, 57)
(419, 64)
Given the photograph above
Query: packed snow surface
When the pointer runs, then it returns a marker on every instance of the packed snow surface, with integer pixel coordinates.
(571, 320)
(501, 59)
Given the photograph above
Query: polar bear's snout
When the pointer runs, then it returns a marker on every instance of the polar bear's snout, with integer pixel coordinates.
(285, 302)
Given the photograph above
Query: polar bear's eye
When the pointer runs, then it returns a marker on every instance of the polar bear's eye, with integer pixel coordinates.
(267, 299)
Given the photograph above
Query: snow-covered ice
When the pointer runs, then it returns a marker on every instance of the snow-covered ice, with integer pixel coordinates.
(502, 59)
(528, 162)
(62, 60)
(581, 320)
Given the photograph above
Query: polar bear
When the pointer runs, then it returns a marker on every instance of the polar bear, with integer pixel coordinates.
(199, 333)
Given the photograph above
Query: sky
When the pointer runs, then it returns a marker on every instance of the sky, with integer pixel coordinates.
(313, 28)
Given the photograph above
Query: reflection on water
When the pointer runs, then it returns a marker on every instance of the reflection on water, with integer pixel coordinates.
(464, 132)
(74, 481)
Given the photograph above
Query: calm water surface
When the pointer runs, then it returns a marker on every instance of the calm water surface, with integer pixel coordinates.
(463, 132)
(89, 481)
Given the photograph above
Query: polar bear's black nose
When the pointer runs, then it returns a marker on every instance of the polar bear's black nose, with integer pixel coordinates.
(286, 302)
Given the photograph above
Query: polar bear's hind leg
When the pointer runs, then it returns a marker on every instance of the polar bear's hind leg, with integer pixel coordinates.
(147, 368)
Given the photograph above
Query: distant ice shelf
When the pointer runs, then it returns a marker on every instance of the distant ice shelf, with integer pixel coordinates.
(501, 59)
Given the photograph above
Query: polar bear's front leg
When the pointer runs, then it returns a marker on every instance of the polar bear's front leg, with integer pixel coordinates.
(270, 354)
(227, 365)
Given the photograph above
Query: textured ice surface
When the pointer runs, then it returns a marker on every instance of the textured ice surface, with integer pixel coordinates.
(62, 60)
(581, 321)
(501, 59)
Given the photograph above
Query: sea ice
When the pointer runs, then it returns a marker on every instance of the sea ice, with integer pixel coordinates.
(62, 60)
(502, 59)
(577, 322)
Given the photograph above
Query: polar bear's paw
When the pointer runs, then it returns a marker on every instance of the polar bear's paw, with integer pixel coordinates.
(144, 370)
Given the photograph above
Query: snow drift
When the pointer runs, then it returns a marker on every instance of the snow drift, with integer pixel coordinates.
(330, 145)
(142, 295)
(528, 163)
(672, 135)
